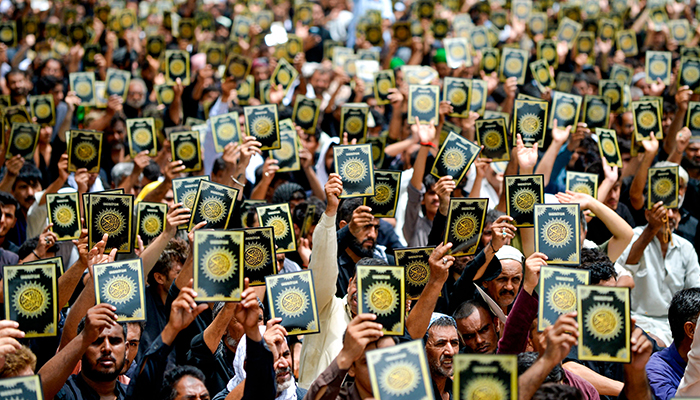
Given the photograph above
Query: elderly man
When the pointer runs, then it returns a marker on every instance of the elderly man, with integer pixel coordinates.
(441, 345)
(504, 287)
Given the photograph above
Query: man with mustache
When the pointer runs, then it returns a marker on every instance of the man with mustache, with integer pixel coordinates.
(19, 84)
(504, 288)
(441, 345)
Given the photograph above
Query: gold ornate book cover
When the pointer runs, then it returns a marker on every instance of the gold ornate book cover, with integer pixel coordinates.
(689, 74)
(457, 52)
(465, 224)
(287, 155)
(43, 109)
(491, 376)
(662, 185)
(513, 64)
(218, 265)
(657, 65)
(155, 45)
(596, 111)
(259, 258)
(284, 75)
(542, 74)
(185, 191)
(121, 285)
(607, 28)
(279, 218)
(491, 133)
(383, 81)
(150, 220)
(262, 123)
(582, 182)
(423, 103)
(490, 59)
(305, 113)
(117, 82)
(23, 140)
(381, 291)
(8, 33)
(31, 297)
(142, 136)
(292, 297)
(522, 193)
(353, 121)
(177, 65)
(386, 193)
(680, 30)
(83, 84)
(85, 151)
(557, 233)
(603, 323)
(238, 66)
(378, 144)
(86, 201)
(64, 214)
(647, 119)
(565, 109)
(627, 42)
(456, 91)
(164, 94)
(558, 293)
(355, 166)
(609, 149)
(400, 372)
(22, 387)
(621, 73)
(455, 157)
(226, 129)
(547, 50)
(111, 214)
(612, 89)
(530, 121)
(214, 203)
(185, 146)
(521, 9)
(479, 95)
(416, 267)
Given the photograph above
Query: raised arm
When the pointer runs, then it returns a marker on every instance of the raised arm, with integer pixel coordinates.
(651, 147)
(546, 164)
(324, 258)
(186, 273)
(177, 215)
(419, 317)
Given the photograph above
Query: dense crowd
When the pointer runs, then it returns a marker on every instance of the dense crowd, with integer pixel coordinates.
(239, 55)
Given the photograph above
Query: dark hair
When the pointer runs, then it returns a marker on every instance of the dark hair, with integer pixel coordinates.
(347, 207)
(172, 377)
(525, 361)
(372, 261)
(47, 83)
(219, 165)
(152, 171)
(429, 182)
(684, 307)
(441, 321)
(299, 212)
(557, 391)
(175, 251)
(7, 199)
(598, 263)
(493, 215)
(16, 70)
(81, 326)
(468, 307)
(29, 173)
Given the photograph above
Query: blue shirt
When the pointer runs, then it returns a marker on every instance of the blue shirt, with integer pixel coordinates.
(665, 370)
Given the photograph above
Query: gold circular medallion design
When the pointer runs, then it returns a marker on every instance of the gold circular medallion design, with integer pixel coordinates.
(226, 131)
(177, 67)
(424, 103)
(279, 225)
(646, 119)
(524, 200)
(244, 90)
(151, 225)
(536, 25)
(63, 216)
(690, 73)
(383, 86)
(695, 120)
(382, 194)
(566, 111)
(457, 51)
(185, 31)
(154, 47)
(548, 53)
(23, 141)
(353, 125)
(116, 85)
(679, 32)
(585, 45)
(476, 97)
(18, 118)
(305, 114)
(381, 298)
(457, 96)
(85, 151)
(596, 113)
(530, 124)
(285, 152)
(256, 256)
(557, 232)
(400, 378)
(417, 273)
(43, 111)
(353, 170)
(514, 66)
(125, 21)
(626, 43)
(119, 289)
(167, 95)
(214, 57)
(479, 40)
(663, 187)
(292, 302)
(465, 227)
(562, 298)
(374, 35)
(485, 388)
(263, 126)
(188, 199)
(236, 70)
(454, 159)
(83, 89)
(613, 95)
(212, 209)
(186, 151)
(31, 299)
(608, 31)
(111, 222)
(219, 264)
(6, 35)
(609, 147)
(293, 48)
(542, 75)
(582, 188)
(603, 321)
(283, 77)
(657, 67)
(492, 140)
(142, 137)
(567, 33)
(490, 62)
(522, 10)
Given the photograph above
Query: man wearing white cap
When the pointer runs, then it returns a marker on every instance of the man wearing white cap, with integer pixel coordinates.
(504, 288)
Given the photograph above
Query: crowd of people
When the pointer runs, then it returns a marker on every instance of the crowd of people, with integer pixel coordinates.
(485, 303)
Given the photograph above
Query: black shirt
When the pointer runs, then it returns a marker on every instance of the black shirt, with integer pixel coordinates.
(77, 389)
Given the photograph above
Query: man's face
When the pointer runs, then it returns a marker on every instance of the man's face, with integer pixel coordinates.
(692, 154)
(352, 295)
(8, 219)
(504, 288)
(116, 137)
(442, 345)
(583, 87)
(53, 68)
(359, 368)
(136, 96)
(442, 69)
(487, 234)
(320, 81)
(366, 239)
(104, 359)
(234, 333)
(627, 125)
(191, 388)
(17, 83)
(57, 93)
(613, 198)
(479, 332)
(431, 200)
(283, 367)
(168, 278)
(24, 193)
(133, 338)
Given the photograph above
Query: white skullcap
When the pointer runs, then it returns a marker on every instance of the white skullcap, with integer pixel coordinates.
(509, 253)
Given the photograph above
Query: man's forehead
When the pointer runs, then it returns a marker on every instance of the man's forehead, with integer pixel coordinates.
(436, 333)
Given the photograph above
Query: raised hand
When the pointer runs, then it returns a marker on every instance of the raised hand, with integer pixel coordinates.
(503, 232)
(425, 133)
(98, 318)
(333, 188)
(527, 156)
(532, 271)
(440, 263)
(9, 333)
(361, 331)
(177, 215)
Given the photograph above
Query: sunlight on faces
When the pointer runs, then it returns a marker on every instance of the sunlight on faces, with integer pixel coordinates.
(442, 345)
(506, 285)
